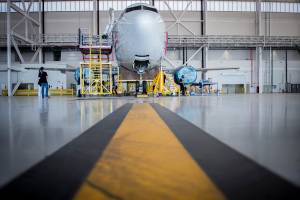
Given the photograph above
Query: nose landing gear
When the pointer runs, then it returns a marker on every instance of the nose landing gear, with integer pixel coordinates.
(140, 67)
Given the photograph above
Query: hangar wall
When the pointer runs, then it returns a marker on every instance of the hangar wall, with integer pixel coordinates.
(218, 23)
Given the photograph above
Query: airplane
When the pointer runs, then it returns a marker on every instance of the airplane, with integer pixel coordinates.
(139, 40)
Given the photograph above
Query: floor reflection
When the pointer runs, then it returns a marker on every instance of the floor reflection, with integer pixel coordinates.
(265, 127)
(32, 128)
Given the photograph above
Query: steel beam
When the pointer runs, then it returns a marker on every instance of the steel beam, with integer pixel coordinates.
(258, 18)
(192, 57)
(170, 62)
(43, 29)
(17, 50)
(260, 69)
(195, 41)
(8, 29)
(40, 50)
(24, 13)
(94, 17)
(203, 33)
(37, 52)
(286, 70)
(23, 38)
(16, 87)
(186, 28)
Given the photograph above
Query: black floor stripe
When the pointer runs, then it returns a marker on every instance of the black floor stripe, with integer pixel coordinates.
(237, 176)
(61, 174)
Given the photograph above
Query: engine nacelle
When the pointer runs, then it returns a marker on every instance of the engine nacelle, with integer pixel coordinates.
(188, 74)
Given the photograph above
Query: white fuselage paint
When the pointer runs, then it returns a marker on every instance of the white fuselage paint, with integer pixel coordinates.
(139, 32)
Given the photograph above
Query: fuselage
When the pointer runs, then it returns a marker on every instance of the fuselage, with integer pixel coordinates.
(139, 38)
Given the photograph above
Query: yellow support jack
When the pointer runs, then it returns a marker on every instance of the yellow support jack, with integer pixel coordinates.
(119, 89)
(163, 85)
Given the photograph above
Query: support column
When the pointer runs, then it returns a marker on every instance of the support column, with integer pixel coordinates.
(43, 30)
(260, 69)
(286, 70)
(8, 47)
(26, 28)
(98, 18)
(94, 17)
(203, 33)
(258, 18)
(183, 56)
(258, 75)
(40, 32)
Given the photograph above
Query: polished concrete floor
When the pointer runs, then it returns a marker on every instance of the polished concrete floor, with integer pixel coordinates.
(32, 128)
(265, 127)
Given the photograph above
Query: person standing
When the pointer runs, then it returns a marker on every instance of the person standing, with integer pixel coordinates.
(43, 82)
(181, 84)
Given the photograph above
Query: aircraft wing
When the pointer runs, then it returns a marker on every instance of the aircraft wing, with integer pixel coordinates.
(215, 68)
(53, 69)
(14, 69)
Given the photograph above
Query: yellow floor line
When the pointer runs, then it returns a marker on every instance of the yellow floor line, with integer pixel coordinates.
(144, 160)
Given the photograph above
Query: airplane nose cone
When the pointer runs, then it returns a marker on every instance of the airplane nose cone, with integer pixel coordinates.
(140, 33)
(145, 19)
(145, 28)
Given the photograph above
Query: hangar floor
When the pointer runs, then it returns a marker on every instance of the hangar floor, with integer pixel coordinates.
(264, 128)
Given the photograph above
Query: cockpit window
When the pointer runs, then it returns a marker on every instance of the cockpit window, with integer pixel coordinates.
(149, 8)
(133, 8)
(140, 8)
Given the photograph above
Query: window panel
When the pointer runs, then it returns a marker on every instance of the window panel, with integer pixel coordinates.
(55, 5)
(58, 6)
(285, 7)
(68, 6)
(63, 6)
(109, 4)
(49, 6)
(81, 6)
(230, 6)
(199, 6)
(221, 5)
(240, 6)
(104, 5)
(115, 5)
(208, 6)
(45, 7)
(181, 5)
(120, 7)
(234, 6)
(124, 4)
(294, 7)
(77, 5)
(217, 6)
(176, 5)
(73, 6)
(225, 6)
(163, 6)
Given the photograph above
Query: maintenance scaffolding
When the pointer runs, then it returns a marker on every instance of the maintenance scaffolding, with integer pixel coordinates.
(96, 71)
